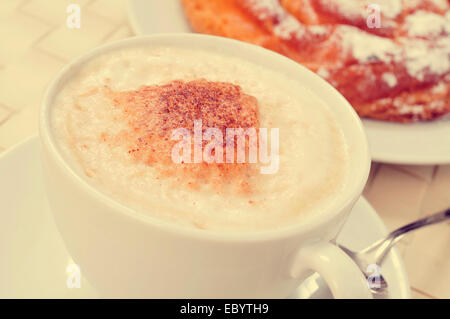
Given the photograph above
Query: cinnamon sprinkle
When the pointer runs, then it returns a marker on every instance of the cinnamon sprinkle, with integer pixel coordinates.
(153, 112)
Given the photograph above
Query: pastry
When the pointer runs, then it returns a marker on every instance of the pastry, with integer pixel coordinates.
(396, 71)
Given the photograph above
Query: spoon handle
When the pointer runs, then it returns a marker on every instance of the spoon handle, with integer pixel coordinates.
(380, 248)
(426, 221)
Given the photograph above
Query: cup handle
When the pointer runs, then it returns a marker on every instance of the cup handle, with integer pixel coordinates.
(342, 275)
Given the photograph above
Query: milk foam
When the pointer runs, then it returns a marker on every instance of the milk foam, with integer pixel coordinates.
(313, 159)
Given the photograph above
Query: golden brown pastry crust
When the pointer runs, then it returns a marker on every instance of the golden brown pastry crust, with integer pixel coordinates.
(407, 78)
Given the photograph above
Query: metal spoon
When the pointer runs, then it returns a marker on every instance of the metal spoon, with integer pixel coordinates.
(375, 253)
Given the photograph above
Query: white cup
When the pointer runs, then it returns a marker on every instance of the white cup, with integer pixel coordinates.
(124, 253)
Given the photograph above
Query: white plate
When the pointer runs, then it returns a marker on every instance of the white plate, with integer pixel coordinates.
(424, 143)
(33, 259)
(420, 143)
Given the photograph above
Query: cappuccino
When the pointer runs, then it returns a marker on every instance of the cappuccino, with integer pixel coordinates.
(115, 122)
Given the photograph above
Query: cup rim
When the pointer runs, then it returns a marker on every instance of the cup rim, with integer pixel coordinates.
(313, 223)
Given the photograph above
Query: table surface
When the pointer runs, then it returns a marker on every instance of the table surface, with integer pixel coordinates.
(37, 43)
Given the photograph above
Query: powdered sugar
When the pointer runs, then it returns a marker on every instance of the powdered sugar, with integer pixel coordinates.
(420, 56)
(286, 26)
(440, 88)
(266, 8)
(410, 109)
(426, 24)
(441, 4)
(390, 79)
(289, 27)
(353, 9)
(389, 8)
(366, 47)
(323, 73)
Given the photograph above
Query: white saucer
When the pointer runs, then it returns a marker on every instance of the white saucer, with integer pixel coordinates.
(419, 143)
(33, 259)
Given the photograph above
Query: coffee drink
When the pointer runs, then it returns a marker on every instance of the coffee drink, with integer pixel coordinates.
(201, 139)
